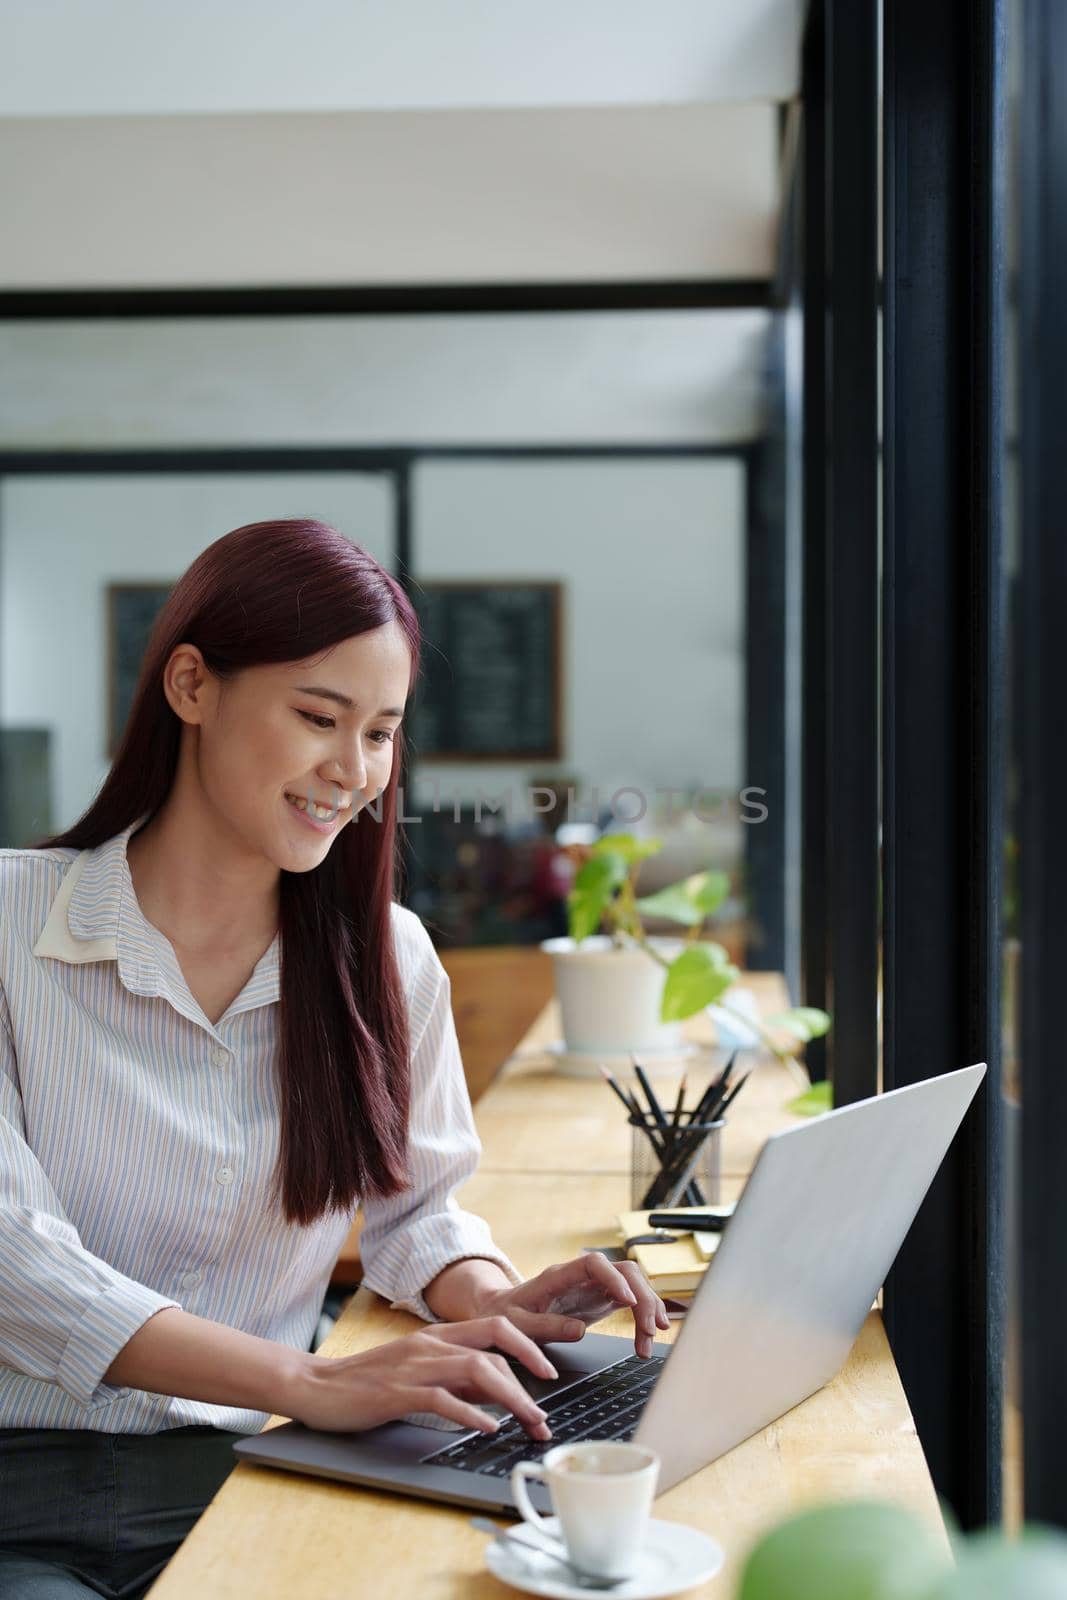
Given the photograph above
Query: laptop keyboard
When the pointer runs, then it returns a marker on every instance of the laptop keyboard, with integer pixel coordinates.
(606, 1405)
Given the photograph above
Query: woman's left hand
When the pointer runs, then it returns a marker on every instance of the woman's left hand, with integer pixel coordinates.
(561, 1302)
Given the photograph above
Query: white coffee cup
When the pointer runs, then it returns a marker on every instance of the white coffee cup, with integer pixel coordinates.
(602, 1493)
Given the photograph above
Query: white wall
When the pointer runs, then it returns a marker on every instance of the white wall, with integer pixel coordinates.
(65, 538)
(64, 57)
(651, 558)
(605, 377)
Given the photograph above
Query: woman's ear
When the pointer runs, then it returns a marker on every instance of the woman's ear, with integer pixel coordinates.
(187, 683)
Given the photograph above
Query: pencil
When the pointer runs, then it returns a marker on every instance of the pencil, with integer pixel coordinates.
(734, 1092)
(713, 1090)
(633, 1109)
(613, 1084)
(653, 1104)
(665, 1149)
(683, 1151)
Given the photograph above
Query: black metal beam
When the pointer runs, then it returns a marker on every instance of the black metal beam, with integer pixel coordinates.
(467, 299)
(785, 283)
(405, 558)
(814, 766)
(403, 570)
(765, 688)
(179, 458)
(852, 591)
(840, 757)
(943, 660)
(358, 458)
(1042, 361)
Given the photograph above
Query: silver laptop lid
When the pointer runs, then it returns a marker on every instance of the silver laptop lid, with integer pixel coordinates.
(824, 1212)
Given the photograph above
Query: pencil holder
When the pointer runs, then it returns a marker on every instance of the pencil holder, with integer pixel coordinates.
(674, 1167)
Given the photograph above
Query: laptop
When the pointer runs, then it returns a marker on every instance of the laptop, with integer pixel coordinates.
(818, 1225)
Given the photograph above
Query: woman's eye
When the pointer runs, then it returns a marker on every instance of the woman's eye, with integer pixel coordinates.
(379, 735)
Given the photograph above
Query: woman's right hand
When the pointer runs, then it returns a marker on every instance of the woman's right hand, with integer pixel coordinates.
(445, 1368)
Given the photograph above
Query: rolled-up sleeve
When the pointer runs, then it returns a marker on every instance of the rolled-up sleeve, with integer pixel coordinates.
(408, 1239)
(64, 1313)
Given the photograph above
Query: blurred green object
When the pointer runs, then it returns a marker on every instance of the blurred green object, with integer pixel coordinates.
(991, 1567)
(859, 1550)
(869, 1550)
(814, 1101)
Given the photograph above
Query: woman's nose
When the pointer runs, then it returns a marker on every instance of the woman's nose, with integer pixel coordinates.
(351, 775)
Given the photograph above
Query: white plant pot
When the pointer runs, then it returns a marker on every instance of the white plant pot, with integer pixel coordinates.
(609, 998)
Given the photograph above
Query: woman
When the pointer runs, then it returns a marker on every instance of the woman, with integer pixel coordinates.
(222, 1035)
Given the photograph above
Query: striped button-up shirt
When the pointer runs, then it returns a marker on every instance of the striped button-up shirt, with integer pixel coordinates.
(138, 1140)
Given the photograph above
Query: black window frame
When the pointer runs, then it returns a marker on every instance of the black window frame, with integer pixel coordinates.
(1042, 751)
(936, 647)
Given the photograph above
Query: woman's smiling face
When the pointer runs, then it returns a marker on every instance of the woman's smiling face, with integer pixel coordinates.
(320, 731)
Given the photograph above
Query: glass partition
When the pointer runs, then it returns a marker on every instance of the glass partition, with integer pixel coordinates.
(610, 456)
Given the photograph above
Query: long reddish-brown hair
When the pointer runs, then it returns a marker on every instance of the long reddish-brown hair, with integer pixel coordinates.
(273, 592)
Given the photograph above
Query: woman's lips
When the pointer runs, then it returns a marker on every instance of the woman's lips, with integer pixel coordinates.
(319, 824)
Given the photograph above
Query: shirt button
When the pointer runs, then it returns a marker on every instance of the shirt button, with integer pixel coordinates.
(224, 1175)
(190, 1280)
(219, 1057)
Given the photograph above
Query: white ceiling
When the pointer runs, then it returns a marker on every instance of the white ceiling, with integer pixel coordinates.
(568, 195)
(237, 143)
(150, 57)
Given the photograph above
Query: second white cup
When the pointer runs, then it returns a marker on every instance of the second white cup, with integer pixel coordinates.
(602, 1493)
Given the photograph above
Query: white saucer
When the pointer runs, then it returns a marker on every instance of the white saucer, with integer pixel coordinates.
(675, 1558)
(587, 1064)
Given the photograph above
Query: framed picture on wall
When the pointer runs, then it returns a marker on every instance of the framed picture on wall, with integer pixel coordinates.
(25, 786)
(132, 609)
(490, 688)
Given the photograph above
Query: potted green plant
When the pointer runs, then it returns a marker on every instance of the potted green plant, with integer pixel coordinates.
(623, 991)
(872, 1550)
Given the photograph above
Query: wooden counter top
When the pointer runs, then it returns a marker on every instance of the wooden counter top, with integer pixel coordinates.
(554, 1173)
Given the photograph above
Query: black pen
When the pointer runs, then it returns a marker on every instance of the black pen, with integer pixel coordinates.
(688, 1222)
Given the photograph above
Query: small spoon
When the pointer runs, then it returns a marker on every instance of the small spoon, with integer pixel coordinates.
(484, 1525)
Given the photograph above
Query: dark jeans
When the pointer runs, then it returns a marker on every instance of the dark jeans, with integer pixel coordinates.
(85, 1513)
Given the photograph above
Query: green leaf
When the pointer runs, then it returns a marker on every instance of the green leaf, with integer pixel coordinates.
(688, 901)
(671, 902)
(627, 846)
(594, 885)
(601, 873)
(695, 979)
(708, 890)
(814, 1101)
(855, 1550)
(803, 1022)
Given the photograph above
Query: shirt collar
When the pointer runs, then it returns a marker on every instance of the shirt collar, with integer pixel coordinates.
(96, 916)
